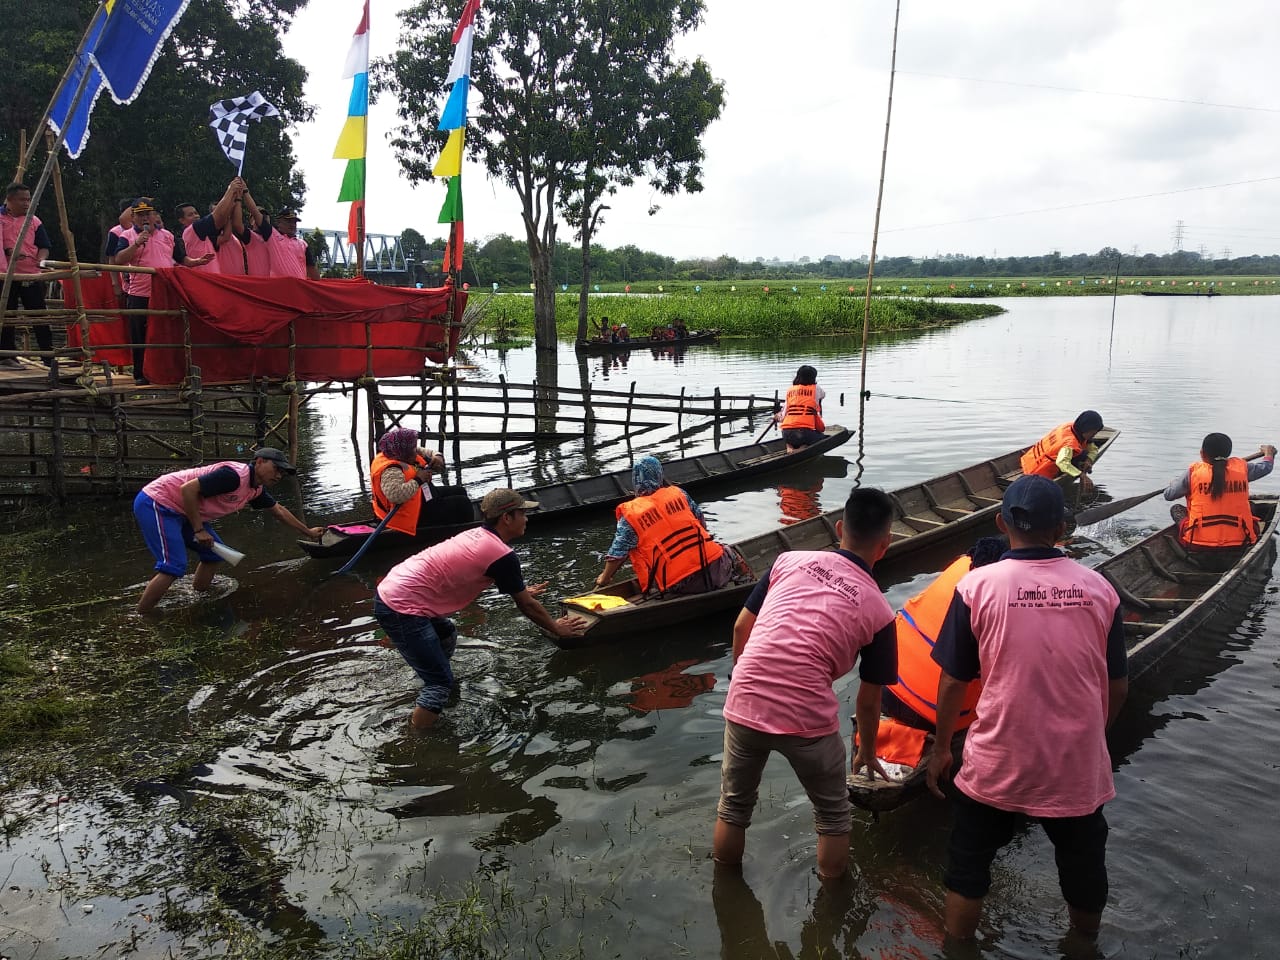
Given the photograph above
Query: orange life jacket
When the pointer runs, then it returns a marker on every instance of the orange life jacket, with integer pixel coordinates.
(1225, 522)
(1043, 457)
(406, 518)
(802, 408)
(917, 626)
(673, 542)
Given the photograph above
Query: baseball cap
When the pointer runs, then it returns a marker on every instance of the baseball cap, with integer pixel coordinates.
(500, 501)
(1033, 503)
(277, 457)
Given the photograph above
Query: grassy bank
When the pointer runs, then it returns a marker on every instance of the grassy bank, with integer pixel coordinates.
(745, 313)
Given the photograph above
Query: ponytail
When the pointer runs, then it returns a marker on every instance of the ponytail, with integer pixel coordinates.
(1216, 448)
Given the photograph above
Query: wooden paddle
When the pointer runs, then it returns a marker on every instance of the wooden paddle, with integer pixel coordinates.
(365, 546)
(773, 422)
(1105, 510)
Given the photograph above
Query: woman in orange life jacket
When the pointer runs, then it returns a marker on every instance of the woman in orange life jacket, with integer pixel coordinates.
(1066, 449)
(801, 417)
(908, 708)
(1217, 513)
(401, 473)
(662, 531)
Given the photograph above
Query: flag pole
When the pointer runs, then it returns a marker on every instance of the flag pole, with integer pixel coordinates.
(364, 151)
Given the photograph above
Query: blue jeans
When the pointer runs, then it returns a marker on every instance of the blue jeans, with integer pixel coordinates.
(427, 645)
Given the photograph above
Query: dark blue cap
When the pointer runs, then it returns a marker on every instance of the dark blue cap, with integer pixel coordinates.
(1033, 503)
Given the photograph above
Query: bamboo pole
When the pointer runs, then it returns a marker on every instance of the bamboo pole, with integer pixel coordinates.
(875, 232)
(64, 224)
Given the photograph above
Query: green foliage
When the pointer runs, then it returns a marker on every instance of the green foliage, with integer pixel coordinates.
(160, 145)
(580, 96)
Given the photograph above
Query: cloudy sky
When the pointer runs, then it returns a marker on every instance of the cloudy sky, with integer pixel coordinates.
(1017, 129)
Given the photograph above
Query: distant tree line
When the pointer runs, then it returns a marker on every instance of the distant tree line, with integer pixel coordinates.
(505, 261)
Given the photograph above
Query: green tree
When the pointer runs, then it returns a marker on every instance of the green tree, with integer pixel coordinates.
(552, 73)
(161, 145)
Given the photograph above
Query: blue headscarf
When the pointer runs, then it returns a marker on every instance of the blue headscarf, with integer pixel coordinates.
(646, 475)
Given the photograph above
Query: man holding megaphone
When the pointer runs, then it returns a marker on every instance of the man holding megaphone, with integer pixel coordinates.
(174, 512)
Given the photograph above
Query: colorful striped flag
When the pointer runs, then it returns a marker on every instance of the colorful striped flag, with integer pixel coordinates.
(354, 138)
(454, 119)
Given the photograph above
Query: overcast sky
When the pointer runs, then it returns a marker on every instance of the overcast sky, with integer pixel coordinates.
(1017, 128)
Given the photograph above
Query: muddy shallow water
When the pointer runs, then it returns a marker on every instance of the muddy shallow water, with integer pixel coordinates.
(578, 789)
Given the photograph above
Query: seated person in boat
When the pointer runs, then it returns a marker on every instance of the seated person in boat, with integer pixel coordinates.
(401, 473)
(1066, 449)
(1046, 635)
(679, 329)
(809, 619)
(801, 417)
(1217, 512)
(908, 709)
(662, 531)
(174, 513)
(624, 335)
(414, 601)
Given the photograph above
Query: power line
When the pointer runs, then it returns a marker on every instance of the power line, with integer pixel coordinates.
(1096, 93)
(1076, 206)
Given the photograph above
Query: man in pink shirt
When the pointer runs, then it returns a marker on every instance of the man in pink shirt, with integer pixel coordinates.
(146, 244)
(808, 620)
(201, 238)
(1046, 636)
(34, 249)
(414, 601)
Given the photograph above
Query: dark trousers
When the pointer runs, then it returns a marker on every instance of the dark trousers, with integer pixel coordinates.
(137, 330)
(31, 294)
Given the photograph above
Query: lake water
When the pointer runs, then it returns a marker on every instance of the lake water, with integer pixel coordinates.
(579, 788)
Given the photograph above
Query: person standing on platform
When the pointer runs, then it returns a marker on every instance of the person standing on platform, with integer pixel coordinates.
(201, 237)
(1217, 514)
(401, 473)
(662, 531)
(1068, 449)
(414, 601)
(809, 619)
(801, 417)
(174, 512)
(145, 245)
(1047, 637)
(287, 254)
(35, 248)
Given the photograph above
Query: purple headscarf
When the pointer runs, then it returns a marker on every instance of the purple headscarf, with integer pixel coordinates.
(400, 443)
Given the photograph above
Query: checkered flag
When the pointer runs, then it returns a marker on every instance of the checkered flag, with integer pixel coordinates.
(230, 121)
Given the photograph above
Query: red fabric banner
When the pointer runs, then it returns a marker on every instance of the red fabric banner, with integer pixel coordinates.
(98, 295)
(240, 327)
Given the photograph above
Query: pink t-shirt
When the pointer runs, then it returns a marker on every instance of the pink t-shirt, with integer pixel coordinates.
(255, 253)
(288, 255)
(821, 609)
(443, 579)
(166, 490)
(157, 253)
(230, 258)
(1038, 745)
(10, 226)
(197, 247)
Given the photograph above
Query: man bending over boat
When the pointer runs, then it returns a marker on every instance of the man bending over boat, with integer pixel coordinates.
(1046, 636)
(174, 512)
(808, 620)
(402, 473)
(1217, 514)
(663, 533)
(414, 601)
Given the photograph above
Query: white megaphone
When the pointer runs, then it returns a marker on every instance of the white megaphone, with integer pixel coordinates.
(227, 553)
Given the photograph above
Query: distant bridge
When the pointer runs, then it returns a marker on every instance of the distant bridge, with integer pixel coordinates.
(383, 253)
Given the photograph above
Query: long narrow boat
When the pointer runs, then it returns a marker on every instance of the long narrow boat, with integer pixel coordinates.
(926, 515)
(1166, 594)
(695, 338)
(599, 493)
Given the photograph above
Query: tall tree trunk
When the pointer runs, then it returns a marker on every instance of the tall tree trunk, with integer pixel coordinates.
(586, 281)
(544, 297)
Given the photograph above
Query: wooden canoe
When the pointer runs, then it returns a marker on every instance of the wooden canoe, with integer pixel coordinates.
(694, 338)
(1166, 593)
(928, 515)
(599, 493)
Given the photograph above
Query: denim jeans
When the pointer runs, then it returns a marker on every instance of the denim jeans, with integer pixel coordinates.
(427, 645)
